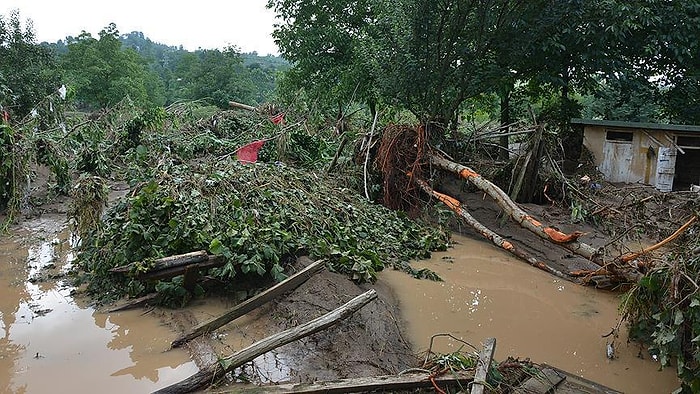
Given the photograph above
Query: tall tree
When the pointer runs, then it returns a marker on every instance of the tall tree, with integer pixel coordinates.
(327, 44)
(28, 71)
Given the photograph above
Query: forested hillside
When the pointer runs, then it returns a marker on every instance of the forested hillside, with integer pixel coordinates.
(101, 71)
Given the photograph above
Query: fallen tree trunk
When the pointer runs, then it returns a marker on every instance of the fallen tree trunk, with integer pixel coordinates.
(568, 241)
(241, 309)
(215, 371)
(496, 239)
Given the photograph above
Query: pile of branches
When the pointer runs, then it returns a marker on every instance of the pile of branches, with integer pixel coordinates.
(258, 217)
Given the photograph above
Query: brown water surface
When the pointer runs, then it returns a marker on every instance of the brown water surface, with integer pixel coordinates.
(488, 293)
(51, 343)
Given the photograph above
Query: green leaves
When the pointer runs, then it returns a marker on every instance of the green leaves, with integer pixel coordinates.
(257, 217)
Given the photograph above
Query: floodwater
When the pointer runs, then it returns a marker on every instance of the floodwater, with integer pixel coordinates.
(488, 293)
(49, 342)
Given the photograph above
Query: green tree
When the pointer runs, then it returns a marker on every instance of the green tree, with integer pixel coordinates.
(328, 43)
(28, 71)
(103, 73)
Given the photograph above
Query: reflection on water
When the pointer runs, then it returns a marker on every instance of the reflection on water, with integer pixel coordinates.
(487, 293)
(48, 343)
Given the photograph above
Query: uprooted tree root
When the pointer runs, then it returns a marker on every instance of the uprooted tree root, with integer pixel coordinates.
(403, 150)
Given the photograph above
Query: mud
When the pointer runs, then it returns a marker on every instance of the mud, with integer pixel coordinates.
(488, 293)
(369, 343)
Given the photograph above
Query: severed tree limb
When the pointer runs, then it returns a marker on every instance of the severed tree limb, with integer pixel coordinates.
(496, 239)
(246, 306)
(568, 241)
(631, 256)
(215, 371)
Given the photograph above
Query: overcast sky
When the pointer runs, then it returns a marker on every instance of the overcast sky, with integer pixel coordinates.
(206, 24)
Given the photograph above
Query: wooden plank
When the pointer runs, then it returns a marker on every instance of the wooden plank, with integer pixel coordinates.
(407, 381)
(543, 383)
(482, 369)
(216, 371)
(241, 309)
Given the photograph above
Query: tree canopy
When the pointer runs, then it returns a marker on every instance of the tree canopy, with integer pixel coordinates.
(430, 57)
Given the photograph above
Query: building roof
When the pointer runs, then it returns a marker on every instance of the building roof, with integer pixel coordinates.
(637, 125)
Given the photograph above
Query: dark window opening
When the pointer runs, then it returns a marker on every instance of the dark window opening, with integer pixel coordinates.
(688, 141)
(620, 136)
(687, 170)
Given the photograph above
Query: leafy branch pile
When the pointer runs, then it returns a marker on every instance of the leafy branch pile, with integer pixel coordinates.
(663, 310)
(256, 216)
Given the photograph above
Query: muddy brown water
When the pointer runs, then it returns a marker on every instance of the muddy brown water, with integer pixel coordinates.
(487, 293)
(53, 342)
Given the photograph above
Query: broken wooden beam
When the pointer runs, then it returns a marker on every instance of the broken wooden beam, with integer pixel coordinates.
(132, 303)
(210, 262)
(234, 104)
(482, 369)
(168, 262)
(215, 371)
(241, 309)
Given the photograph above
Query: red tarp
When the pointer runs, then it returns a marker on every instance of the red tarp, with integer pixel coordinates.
(249, 153)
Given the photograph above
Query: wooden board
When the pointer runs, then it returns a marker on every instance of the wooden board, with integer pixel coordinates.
(544, 383)
(356, 385)
(482, 370)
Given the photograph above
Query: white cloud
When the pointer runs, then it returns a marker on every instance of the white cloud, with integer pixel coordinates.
(200, 24)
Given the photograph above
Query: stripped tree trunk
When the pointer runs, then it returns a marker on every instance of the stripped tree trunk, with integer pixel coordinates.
(568, 241)
(496, 239)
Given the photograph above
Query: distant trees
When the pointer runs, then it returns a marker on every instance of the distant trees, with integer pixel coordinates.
(102, 72)
(27, 70)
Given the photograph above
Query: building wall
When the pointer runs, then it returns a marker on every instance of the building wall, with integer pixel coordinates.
(626, 161)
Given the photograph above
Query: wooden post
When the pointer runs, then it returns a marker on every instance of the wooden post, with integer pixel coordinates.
(482, 370)
(215, 371)
(241, 309)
